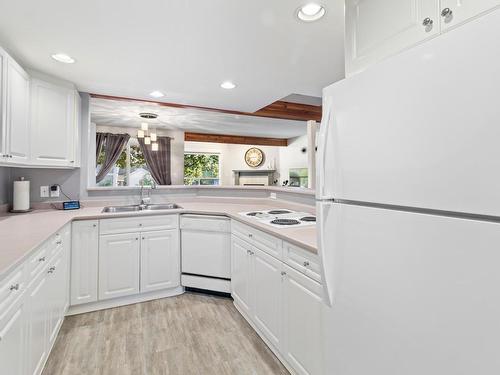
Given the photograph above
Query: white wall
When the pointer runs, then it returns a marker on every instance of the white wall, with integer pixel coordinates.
(232, 156)
(292, 156)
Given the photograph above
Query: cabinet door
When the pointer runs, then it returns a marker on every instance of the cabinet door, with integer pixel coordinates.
(38, 315)
(84, 261)
(302, 328)
(57, 295)
(118, 265)
(454, 12)
(160, 260)
(53, 124)
(241, 273)
(17, 116)
(268, 303)
(376, 29)
(12, 339)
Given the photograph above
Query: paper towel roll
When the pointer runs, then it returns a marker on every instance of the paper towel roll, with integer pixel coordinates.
(21, 195)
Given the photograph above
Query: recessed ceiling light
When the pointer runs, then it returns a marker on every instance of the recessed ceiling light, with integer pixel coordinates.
(156, 94)
(310, 12)
(62, 57)
(228, 85)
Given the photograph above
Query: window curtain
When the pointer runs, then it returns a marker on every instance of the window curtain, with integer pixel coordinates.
(113, 147)
(99, 141)
(158, 162)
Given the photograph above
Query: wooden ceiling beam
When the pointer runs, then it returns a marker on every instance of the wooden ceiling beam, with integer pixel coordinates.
(279, 109)
(234, 139)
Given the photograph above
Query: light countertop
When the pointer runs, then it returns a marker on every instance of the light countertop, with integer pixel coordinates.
(22, 234)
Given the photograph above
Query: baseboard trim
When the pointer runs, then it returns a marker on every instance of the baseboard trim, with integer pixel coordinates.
(123, 301)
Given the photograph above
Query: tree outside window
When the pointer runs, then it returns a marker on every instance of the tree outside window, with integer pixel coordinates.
(201, 169)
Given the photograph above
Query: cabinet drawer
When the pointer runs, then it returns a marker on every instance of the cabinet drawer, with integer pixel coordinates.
(302, 260)
(205, 223)
(265, 242)
(37, 262)
(11, 288)
(141, 223)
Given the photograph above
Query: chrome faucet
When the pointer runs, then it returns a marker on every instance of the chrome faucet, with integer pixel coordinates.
(146, 200)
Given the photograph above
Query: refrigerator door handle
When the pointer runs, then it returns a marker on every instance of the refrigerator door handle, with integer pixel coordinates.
(323, 137)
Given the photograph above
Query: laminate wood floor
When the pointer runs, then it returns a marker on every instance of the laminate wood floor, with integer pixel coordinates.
(187, 334)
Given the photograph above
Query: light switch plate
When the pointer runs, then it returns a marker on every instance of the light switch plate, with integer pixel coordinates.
(44, 191)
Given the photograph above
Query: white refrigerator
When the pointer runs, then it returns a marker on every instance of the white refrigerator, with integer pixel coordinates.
(409, 210)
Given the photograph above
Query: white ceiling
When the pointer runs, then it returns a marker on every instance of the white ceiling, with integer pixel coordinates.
(184, 48)
(126, 114)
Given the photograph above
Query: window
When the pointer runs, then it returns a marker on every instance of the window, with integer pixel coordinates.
(130, 168)
(201, 169)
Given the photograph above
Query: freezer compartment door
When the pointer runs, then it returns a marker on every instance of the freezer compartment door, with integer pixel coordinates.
(413, 293)
(421, 129)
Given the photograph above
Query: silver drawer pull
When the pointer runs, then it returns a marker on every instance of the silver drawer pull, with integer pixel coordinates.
(58, 242)
(250, 235)
(447, 12)
(42, 259)
(51, 269)
(283, 273)
(14, 287)
(306, 263)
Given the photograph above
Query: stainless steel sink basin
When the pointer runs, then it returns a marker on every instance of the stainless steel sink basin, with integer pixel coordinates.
(139, 207)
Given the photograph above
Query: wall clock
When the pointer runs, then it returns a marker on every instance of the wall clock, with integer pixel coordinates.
(254, 157)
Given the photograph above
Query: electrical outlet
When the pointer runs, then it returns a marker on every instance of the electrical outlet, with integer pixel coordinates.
(54, 191)
(44, 191)
(272, 195)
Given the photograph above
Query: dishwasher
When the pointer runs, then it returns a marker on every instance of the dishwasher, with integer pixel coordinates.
(206, 252)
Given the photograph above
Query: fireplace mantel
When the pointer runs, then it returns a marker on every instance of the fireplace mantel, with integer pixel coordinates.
(238, 173)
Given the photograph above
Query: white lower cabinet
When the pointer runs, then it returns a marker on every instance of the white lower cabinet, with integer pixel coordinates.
(13, 339)
(241, 277)
(302, 330)
(282, 303)
(84, 261)
(38, 316)
(119, 257)
(268, 302)
(160, 263)
(38, 313)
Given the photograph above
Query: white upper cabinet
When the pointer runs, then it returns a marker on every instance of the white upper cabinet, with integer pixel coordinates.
(376, 29)
(54, 122)
(454, 12)
(17, 129)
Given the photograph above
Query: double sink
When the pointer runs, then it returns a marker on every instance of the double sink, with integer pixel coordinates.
(141, 207)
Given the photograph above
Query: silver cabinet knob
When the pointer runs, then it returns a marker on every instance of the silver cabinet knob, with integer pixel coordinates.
(137, 238)
(250, 235)
(94, 225)
(427, 22)
(51, 269)
(283, 273)
(446, 12)
(42, 259)
(58, 242)
(14, 287)
(306, 263)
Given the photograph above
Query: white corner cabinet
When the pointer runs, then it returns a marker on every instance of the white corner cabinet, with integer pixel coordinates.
(39, 119)
(33, 302)
(124, 260)
(376, 29)
(276, 286)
